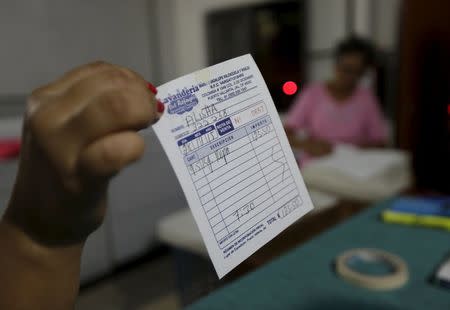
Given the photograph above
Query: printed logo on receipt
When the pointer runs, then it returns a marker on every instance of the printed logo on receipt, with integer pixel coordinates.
(182, 101)
(225, 141)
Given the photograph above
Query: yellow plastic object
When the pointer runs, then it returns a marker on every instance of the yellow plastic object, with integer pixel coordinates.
(414, 219)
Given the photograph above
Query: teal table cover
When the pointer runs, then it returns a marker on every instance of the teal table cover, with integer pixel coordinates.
(305, 279)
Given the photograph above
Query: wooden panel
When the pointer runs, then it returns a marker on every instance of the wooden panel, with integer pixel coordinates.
(424, 91)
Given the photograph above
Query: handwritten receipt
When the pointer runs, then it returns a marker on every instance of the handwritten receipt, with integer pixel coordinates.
(226, 143)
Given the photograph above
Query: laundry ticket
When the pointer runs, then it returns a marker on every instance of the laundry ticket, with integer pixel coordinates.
(227, 146)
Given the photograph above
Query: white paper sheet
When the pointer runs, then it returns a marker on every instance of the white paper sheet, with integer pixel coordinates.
(362, 164)
(225, 141)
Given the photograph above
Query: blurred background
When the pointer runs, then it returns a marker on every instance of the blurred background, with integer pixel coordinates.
(148, 254)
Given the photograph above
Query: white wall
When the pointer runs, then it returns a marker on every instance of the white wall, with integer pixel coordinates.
(386, 23)
(43, 38)
(363, 17)
(326, 23)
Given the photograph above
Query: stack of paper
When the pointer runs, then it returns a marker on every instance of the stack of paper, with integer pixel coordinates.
(362, 164)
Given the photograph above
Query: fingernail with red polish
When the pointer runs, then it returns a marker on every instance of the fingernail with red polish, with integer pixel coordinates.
(160, 107)
(152, 88)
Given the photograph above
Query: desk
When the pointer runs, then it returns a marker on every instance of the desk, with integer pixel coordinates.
(195, 274)
(298, 233)
(304, 278)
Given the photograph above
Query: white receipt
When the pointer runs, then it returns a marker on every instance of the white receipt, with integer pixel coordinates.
(225, 141)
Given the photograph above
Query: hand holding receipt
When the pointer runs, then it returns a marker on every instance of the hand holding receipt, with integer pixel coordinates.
(225, 141)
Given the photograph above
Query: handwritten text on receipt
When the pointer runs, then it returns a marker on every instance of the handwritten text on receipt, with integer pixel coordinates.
(226, 143)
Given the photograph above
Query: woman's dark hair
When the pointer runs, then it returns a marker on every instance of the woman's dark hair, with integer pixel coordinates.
(356, 45)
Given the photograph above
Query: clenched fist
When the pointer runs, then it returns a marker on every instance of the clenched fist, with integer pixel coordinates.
(78, 132)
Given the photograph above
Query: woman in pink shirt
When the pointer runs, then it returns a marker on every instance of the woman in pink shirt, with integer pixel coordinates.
(339, 110)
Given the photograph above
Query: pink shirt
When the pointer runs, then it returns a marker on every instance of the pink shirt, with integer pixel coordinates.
(355, 121)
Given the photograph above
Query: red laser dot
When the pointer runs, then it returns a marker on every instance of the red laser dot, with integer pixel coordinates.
(290, 88)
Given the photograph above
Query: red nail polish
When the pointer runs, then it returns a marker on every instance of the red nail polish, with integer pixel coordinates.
(160, 107)
(152, 88)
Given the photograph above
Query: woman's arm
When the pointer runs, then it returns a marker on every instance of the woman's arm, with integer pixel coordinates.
(78, 133)
(34, 276)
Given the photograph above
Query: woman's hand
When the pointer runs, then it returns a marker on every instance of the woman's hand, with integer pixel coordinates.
(317, 148)
(78, 132)
(313, 147)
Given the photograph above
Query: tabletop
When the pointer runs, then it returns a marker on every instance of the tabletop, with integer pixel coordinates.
(304, 278)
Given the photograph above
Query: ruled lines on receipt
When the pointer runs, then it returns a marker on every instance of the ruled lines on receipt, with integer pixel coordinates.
(229, 151)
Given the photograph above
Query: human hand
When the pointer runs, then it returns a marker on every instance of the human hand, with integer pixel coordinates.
(316, 147)
(78, 132)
